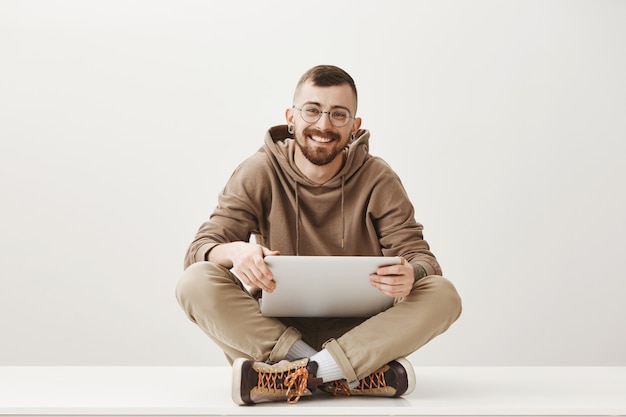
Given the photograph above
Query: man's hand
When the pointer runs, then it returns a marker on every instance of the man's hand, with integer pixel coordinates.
(246, 260)
(394, 280)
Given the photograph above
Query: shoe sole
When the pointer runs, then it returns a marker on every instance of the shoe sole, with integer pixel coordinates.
(410, 375)
(235, 392)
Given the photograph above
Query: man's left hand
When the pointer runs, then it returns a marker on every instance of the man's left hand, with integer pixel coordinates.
(394, 280)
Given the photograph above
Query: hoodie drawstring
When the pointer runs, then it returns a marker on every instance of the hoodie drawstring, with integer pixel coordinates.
(343, 219)
(297, 221)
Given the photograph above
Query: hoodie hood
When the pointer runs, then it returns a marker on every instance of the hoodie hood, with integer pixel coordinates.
(280, 144)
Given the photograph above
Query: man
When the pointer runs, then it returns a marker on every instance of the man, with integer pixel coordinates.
(314, 189)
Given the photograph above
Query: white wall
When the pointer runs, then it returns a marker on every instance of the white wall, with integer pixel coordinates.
(120, 121)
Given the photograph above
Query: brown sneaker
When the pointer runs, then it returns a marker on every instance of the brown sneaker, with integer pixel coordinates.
(257, 382)
(395, 379)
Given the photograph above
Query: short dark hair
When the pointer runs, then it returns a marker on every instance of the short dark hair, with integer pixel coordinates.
(327, 76)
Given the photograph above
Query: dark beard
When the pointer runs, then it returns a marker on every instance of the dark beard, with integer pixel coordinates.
(318, 157)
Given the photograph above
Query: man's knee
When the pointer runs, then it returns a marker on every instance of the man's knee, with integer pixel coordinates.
(197, 281)
(449, 297)
(190, 280)
(443, 292)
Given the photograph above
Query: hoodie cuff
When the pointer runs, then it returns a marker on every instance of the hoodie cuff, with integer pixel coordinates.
(202, 254)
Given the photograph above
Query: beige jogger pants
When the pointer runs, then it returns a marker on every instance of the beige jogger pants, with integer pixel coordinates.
(214, 299)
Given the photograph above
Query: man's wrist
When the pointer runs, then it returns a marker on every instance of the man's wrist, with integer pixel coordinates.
(419, 271)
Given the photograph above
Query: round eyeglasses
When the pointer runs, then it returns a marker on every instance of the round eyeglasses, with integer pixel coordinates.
(311, 113)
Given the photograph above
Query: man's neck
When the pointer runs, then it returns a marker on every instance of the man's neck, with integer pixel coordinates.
(319, 174)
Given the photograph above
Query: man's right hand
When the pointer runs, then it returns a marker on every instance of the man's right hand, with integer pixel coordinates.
(246, 261)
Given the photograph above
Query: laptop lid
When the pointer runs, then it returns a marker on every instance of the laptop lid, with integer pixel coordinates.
(325, 286)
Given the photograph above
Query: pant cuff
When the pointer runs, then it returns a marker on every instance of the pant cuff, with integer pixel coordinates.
(284, 343)
(332, 346)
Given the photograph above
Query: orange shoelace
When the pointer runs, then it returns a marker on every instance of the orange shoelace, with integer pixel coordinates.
(298, 378)
(339, 388)
(295, 379)
(370, 383)
(373, 381)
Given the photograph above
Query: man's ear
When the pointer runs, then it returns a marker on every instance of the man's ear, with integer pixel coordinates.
(356, 125)
(289, 114)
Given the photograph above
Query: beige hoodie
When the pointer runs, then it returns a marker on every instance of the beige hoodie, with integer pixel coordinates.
(363, 210)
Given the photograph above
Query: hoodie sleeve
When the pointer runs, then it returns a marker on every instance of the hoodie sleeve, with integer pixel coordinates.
(393, 215)
(240, 205)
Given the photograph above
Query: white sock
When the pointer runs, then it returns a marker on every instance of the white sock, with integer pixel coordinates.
(327, 368)
(300, 350)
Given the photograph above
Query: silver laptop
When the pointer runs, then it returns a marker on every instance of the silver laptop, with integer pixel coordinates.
(325, 286)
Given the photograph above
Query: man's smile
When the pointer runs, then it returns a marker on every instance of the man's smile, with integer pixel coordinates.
(320, 136)
(321, 139)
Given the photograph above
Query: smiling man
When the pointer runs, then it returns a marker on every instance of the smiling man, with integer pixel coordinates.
(293, 195)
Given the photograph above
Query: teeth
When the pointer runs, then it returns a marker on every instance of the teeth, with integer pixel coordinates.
(319, 139)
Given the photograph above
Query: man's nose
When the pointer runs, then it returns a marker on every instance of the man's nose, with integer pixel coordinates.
(324, 121)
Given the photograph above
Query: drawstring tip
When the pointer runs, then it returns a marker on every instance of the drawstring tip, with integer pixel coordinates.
(342, 242)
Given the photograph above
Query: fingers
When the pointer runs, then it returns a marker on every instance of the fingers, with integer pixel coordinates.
(398, 269)
(252, 270)
(393, 286)
(394, 280)
(268, 252)
(256, 274)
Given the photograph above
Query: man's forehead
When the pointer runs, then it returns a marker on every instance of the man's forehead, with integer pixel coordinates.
(331, 96)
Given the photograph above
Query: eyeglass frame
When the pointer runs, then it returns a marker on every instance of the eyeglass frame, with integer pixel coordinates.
(330, 119)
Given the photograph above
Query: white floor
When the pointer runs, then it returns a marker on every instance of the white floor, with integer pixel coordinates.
(192, 391)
